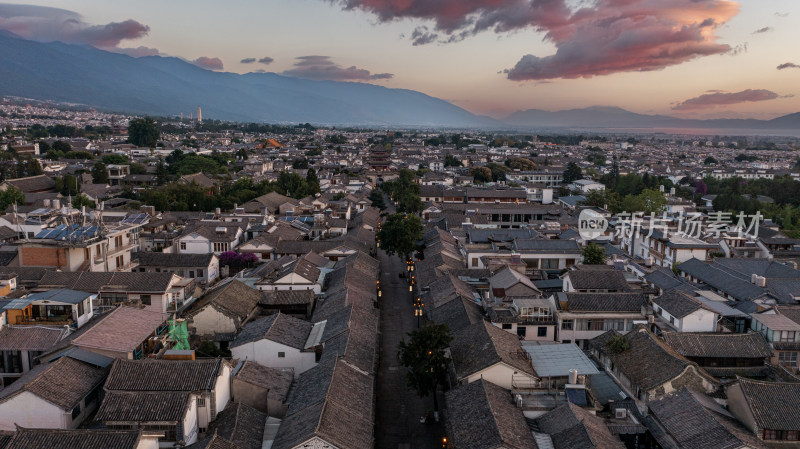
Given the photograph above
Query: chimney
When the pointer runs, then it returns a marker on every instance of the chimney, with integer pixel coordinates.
(46, 203)
(56, 204)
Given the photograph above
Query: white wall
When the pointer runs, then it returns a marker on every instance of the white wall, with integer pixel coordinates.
(195, 244)
(498, 374)
(29, 410)
(209, 320)
(190, 429)
(222, 389)
(265, 352)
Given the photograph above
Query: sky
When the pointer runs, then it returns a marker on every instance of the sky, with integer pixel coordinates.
(686, 58)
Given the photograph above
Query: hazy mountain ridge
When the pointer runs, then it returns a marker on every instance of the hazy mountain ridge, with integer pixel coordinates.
(167, 86)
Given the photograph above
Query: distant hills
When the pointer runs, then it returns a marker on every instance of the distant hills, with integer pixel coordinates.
(613, 117)
(166, 86)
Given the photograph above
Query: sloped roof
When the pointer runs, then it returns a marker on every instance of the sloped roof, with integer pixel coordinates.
(678, 303)
(572, 427)
(507, 277)
(602, 279)
(722, 345)
(177, 260)
(605, 302)
(235, 299)
(280, 328)
(33, 183)
(91, 281)
(482, 345)
(143, 406)
(63, 383)
(164, 375)
(30, 338)
(458, 314)
(690, 424)
(332, 401)
(774, 404)
(74, 439)
(240, 424)
(121, 330)
(482, 415)
(277, 381)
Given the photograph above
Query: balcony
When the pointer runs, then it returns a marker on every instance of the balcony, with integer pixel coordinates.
(41, 321)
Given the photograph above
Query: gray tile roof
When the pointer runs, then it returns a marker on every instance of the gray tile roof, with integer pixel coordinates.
(241, 425)
(164, 375)
(88, 281)
(482, 345)
(30, 338)
(677, 303)
(483, 415)
(280, 328)
(458, 314)
(64, 382)
(724, 281)
(571, 427)
(690, 424)
(332, 401)
(719, 345)
(235, 299)
(605, 302)
(600, 279)
(774, 404)
(174, 260)
(277, 381)
(143, 406)
(74, 439)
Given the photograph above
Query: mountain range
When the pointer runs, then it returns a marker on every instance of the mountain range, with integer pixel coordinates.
(165, 86)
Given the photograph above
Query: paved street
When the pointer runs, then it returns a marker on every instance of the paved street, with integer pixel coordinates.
(398, 408)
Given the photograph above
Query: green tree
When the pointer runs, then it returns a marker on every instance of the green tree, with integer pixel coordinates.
(593, 254)
(399, 234)
(143, 132)
(11, 195)
(117, 159)
(82, 200)
(520, 163)
(99, 173)
(161, 171)
(709, 161)
(481, 174)
(312, 181)
(137, 169)
(62, 146)
(426, 359)
(452, 161)
(572, 173)
(616, 344)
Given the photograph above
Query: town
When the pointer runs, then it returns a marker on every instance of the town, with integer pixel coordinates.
(189, 282)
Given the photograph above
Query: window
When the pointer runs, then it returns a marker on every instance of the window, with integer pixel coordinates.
(191, 273)
(76, 411)
(787, 358)
(11, 362)
(281, 355)
(183, 245)
(549, 264)
(201, 402)
(118, 241)
(522, 331)
(80, 308)
(146, 300)
(541, 331)
(567, 325)
(220, 247)
(672, 320)
(770, 434)
(98, 250)
(507, 326)
(120, 261)
(474, 261)
(199, 273)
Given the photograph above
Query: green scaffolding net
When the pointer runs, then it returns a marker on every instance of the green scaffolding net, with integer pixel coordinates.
(179, 334)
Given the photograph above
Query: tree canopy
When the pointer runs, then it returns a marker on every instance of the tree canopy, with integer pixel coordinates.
(572, 173)
(143, 132)
(593, 254)
(425, 357)
(399, 234)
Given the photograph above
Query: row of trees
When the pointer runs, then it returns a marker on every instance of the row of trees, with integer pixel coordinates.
(405, 192)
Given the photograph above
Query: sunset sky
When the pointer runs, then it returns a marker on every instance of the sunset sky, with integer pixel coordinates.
(689, 58)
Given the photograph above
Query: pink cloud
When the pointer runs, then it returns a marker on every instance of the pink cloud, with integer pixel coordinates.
(604, 37)
(47, 24)
(208, 63)
(322, 68)
(725, 98)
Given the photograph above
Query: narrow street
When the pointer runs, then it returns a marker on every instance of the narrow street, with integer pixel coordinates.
(399, 408)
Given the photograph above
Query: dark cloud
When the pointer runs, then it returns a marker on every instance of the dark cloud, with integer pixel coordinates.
(738, 50)
(762, 30)
(47, 24)
(266, 60)
(788, 65)
(422, 36)
(208, 63)
(248, 60)
(317, 67)
(594, 38)
(726, 98)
